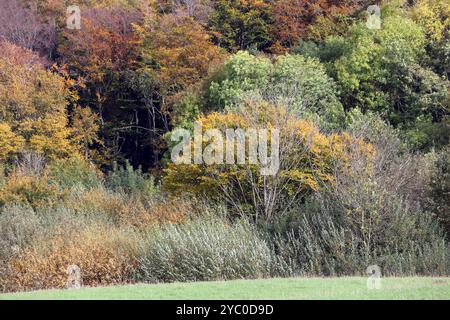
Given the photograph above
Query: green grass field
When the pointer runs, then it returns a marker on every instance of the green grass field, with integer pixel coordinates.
(271, 289)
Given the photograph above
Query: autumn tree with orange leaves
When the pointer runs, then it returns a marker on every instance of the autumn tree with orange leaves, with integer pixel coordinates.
(181, 53)
(294, 17)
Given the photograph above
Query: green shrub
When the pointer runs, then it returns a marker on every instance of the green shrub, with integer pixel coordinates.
(69, 173)
(126, 179)
(374, 212)
(298, 83)
(440, 189)
(202, 250)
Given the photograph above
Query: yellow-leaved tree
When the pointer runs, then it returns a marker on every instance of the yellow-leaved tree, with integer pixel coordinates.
(10, 143)
(306, 161)
(33, 110)
(434, 17)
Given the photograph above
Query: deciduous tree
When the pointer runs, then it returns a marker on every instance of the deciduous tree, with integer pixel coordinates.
(242, 24)
(306, 161)
(300, 84)
(33, 112)
(22, 25)
(294, 17)
(383, 70)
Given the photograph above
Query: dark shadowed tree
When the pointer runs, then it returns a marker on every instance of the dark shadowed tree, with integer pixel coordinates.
(103, 53)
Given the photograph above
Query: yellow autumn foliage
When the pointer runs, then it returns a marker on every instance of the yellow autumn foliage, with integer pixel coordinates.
(10, 143)
(33, 114)
(434, 17)
(29, 190)
(104, 255)
(307, 156)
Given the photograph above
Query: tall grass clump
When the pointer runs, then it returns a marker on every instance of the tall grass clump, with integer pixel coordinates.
(45, 242)
(322, 241)
(2, 174)
(19, 226)
(203, 250)
(439, 192)
(125, 209)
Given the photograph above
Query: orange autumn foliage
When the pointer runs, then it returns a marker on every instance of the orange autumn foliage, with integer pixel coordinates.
(294, 17)
(181, 50)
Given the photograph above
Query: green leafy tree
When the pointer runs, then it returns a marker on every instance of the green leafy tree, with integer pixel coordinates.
(300, 84)
(242, 73)
(242, 24)
(382, 70)
(434, 17)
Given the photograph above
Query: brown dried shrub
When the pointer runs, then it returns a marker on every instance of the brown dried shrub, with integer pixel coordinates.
(136, 211)
(105, 256)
